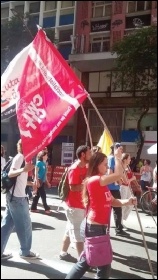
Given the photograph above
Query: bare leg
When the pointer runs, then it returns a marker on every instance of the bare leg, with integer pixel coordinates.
(66, 243)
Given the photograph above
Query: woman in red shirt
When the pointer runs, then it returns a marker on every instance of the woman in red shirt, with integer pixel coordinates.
(98, 200)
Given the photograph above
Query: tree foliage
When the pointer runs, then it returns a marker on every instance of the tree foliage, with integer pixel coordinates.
(17, 34)
(136, 69)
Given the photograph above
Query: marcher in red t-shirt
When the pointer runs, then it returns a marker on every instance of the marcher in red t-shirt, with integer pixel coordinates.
(98, 200)
(74, 208)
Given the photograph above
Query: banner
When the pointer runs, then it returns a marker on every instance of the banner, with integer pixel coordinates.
(50, 93)
(105, 142)
(9, 83)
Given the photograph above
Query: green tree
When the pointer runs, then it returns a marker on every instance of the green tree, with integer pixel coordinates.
(16, 34)
(136, 70)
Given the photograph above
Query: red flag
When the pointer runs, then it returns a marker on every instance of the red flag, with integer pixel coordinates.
(50, 93)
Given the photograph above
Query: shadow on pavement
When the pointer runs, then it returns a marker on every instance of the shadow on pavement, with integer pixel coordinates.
(39, 268)
(48, 271)
(139, 242)
(39, 226)
(150, 234)
(135, 264)
(118, 274)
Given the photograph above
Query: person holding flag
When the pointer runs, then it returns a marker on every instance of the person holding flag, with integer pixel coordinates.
(115, 191)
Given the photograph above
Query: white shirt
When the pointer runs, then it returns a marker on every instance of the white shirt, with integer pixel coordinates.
(21, 181)
(3, 162)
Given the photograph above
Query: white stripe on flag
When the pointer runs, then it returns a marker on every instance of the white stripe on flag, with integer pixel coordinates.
(51, 80)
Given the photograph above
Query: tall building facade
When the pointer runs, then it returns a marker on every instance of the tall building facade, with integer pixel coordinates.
(84, 33)
(98, 25)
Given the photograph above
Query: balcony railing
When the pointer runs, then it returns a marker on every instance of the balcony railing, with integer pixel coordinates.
(81, 44)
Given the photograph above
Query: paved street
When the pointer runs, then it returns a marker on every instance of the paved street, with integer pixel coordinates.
(129, 261)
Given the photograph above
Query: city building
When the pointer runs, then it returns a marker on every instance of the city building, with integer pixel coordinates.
(84, 33)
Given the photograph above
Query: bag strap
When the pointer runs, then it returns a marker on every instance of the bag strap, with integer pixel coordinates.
(22, 165)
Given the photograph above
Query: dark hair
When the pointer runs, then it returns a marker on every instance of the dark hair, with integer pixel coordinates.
(80, 150)
(40, 155)
(95, 160)
(148, 161)
(19, 146)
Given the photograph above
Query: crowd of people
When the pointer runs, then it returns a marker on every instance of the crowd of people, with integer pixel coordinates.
(98, 184)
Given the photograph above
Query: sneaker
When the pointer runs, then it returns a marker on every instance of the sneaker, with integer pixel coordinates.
(31, 255)
(122, 233)
(35, 211)
(6, 256)
(68, 258)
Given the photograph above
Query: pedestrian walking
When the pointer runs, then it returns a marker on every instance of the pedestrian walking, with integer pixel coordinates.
(39, 183)
(98, 200)
(115, 191)
(17, 214)
(146, 175)
(74, 208)
(125, 183)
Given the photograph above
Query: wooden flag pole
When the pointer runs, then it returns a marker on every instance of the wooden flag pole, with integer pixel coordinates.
(141, 228)
(88, 128)
(100, 117)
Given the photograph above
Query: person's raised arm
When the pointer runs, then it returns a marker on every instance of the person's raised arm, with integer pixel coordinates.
(118, 172)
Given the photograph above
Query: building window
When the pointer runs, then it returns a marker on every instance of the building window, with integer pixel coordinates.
(4, 13)
(34, 7)
(99, 82)
(50, 5)
(65, 35)
(100, 44)
(101, 9)
(137, 6)
(67, 4)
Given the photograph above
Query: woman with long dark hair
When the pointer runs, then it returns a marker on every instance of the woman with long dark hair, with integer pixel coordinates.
(98, 200)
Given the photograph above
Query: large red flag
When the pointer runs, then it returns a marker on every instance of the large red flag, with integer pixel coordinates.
(50, 93)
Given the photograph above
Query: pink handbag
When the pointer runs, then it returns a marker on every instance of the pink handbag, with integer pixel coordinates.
(98, 250)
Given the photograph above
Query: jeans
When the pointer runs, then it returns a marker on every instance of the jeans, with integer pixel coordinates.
(17, 217)
(40, 193)
(79, 269)
(117, 211)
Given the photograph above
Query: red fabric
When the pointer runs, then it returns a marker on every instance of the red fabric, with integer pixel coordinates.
(50, 93)
(99, 209)
(76, 175)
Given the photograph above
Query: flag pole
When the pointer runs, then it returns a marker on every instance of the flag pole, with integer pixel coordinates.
(141, 228)
(88, 128)
(100, 117)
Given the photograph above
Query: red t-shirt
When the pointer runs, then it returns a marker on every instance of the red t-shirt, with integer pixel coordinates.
(99, 208)
(76, 175)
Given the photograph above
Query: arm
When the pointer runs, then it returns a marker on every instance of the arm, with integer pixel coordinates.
(113, 177)
(124, 202)
(15, 172)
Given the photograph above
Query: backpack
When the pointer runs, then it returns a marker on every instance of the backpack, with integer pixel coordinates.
(63, 187)
(6, 182)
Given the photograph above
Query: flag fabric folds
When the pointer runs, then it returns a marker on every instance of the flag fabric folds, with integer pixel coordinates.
(50, 93)
(9, 82)
(105, 142)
